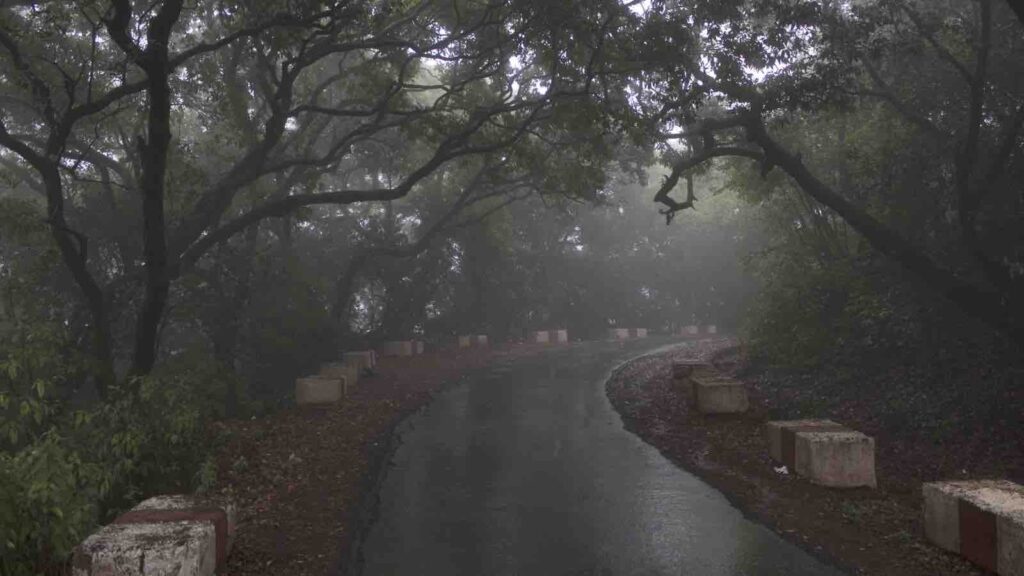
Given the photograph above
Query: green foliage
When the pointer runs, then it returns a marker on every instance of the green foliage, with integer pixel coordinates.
(289, 328)
(47, 505)
(64, 470)
(156, 438)
(805, 311)
(48, 494)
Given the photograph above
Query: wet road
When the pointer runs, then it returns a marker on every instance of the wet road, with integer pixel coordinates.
(526, 469)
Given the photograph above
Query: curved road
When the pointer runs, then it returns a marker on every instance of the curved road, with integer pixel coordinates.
(525, 469)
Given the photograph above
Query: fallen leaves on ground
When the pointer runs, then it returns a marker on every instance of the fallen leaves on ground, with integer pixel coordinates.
(864, 531)
(303, 478)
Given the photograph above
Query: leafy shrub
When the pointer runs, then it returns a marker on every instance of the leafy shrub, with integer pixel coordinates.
(793, 318)
(64, 471)
(48, 503)
(157, 437)
(812, 312)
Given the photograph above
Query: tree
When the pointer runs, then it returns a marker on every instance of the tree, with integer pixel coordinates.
(723, 79)
(184, 125)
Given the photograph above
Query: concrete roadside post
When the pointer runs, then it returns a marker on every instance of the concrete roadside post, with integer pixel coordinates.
(684, 372)
(341, 370)
(618, 333)
(982, 520)
(361, 359)
(180, 535)
(720, 396)
(319, 390)
(836, 458)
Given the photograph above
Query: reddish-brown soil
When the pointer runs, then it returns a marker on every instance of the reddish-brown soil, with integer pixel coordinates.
(302, 477)
(863, 531)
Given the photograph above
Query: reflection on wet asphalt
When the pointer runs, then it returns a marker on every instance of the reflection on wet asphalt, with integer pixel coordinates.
(525, 469)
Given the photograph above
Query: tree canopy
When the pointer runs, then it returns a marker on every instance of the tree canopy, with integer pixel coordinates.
(202, 200)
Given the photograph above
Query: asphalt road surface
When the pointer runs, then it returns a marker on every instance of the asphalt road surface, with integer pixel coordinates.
(525, 469)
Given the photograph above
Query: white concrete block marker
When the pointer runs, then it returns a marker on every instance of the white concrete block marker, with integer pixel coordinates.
(319, 390)
(362, 359)
(720, 396)
(340, 370)
(781, 437)
(481, 340)
(167, 549)
(540, 337)
(419, 347)
(560, 336)
(163, 536)
(639, 332)
(682, 369)
(982, 520)
(836, 458)
(712, 329)
(618, 333)
(685, 371)
(691, 330)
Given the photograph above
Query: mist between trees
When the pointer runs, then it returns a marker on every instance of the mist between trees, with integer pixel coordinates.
(200, 201)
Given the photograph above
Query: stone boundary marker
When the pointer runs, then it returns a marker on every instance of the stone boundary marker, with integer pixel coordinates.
(711, 329)
(982, 520)
(618, 333)
(719, 395)
(781, 437)
(320, 390)
(481, 340)
(683, 372)
(685, 368)
(362, 359)
(418, 347)
(626, 333)
(349, 372)
(397, 348)
(690, 330)
(559, 336)
(824, 452)
(164, 536)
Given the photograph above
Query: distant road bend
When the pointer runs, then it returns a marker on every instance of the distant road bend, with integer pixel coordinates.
(525, 469)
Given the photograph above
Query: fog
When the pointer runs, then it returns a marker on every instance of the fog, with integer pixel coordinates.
(205, 204)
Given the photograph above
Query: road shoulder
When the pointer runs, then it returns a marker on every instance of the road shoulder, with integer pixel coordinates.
(863, 531)
(305, 478)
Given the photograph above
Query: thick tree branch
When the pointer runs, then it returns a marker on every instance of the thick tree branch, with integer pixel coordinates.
(680, 168)
(995, 308)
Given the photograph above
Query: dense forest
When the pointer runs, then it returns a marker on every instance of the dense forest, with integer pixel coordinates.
(199, 201)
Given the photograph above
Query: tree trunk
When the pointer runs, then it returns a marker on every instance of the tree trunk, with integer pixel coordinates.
(154, 151)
